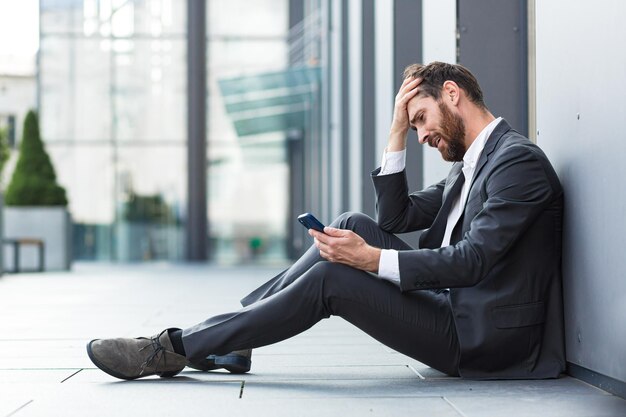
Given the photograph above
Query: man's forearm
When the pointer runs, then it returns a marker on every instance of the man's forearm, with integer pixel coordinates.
(397, 141)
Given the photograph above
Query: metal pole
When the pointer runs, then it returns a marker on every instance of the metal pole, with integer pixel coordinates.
(197, 224)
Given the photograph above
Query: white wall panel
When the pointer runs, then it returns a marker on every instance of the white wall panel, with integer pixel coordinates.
(581, 85)
(385, 78)
(439, 34)
(355, 50)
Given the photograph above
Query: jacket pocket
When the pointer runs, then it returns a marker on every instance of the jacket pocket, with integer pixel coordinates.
(519, 315)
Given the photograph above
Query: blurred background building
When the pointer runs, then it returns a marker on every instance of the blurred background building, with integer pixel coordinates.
(198, 130)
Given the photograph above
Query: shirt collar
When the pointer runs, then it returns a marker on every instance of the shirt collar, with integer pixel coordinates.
(476, 148)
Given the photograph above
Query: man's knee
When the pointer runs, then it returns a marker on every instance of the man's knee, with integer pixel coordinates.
(352, 220)
(327, 274)
(334, 274)
(323, 269)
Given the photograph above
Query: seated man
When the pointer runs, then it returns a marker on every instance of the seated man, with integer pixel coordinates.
(479, 298)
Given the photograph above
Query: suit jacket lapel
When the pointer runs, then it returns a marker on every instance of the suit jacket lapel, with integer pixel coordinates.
(490, 146)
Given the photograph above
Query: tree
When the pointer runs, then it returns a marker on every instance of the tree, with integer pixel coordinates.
(5, 152)
(34, 181)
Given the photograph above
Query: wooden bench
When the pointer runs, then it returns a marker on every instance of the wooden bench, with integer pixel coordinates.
(17, 243)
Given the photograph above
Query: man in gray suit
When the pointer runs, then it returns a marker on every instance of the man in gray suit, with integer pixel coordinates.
(480, 297)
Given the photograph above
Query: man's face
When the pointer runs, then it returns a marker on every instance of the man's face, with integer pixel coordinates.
(438, 126)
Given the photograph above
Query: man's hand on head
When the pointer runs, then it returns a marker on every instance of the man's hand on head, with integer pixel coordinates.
(400, 123)
(346, 247)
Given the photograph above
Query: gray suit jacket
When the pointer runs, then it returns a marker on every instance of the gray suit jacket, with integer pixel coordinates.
(503, 267)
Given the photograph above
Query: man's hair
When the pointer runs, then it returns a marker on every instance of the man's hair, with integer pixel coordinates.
(436, 73)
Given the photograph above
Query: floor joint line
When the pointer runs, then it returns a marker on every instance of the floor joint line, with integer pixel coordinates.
(12, 413)
(243, 384)
(415, 371)
(71, 376)
(461, 413)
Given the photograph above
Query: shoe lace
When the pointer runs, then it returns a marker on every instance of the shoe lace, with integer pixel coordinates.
(157, 354)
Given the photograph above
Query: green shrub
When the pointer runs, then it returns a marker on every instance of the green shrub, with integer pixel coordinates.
(146, 208)
(5, 151)
(34, 182)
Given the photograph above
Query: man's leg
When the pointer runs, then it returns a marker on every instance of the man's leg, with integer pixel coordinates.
(418, 324)
(361, 224)
(364, 226)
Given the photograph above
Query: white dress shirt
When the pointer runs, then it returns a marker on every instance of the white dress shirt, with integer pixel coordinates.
(394, 162)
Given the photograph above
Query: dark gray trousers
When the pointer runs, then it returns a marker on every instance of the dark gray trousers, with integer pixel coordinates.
(418, 324)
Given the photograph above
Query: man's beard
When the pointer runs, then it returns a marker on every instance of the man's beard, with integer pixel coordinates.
(453, 134)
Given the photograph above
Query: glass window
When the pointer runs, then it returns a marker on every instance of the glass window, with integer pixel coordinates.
(150, 90)
(245, 18)
(75, 85)
(150, 202)
(112, 106)
(247, 173)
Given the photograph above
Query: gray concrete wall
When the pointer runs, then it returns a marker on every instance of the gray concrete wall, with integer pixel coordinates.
(581, 74)
(53, 225)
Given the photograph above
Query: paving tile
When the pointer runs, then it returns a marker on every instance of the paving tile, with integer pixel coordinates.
(94, 375)
(291, 389)
(425, 371)
(10, 404)
(209, 402)
(296, 373)
(561, 404)
(452, 387)
(142, 398)
(425, 406)
(35, 376)
(43, 354)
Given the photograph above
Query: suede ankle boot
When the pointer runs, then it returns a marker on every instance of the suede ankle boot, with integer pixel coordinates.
(137, 358)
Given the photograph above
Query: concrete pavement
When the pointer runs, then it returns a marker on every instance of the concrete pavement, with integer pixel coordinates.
(333, 369)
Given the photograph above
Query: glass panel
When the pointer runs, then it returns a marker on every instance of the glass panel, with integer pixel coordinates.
(75, 89)
(247, 18)
(160, 18)
(248, 200)
(237, 57)
(61, 16)
(118, 18)
(113, 85)
(150, 203)
(150, 93)
(248, 173)
(87, 173)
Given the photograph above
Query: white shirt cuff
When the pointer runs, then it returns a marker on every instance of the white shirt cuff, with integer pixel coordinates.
(392, 162)
(388, 266)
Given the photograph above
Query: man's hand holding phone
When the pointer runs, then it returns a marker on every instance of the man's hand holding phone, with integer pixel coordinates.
(342, 246)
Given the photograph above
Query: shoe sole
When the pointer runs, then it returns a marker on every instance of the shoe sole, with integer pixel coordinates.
(102, 367)
(235, 364)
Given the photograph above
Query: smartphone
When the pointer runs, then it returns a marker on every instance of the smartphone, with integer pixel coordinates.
(310, 222)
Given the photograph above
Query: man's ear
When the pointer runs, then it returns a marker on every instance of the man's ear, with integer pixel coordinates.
(451, 93)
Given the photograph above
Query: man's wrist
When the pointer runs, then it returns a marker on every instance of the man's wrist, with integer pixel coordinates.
(397, 141)
(375, 260)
